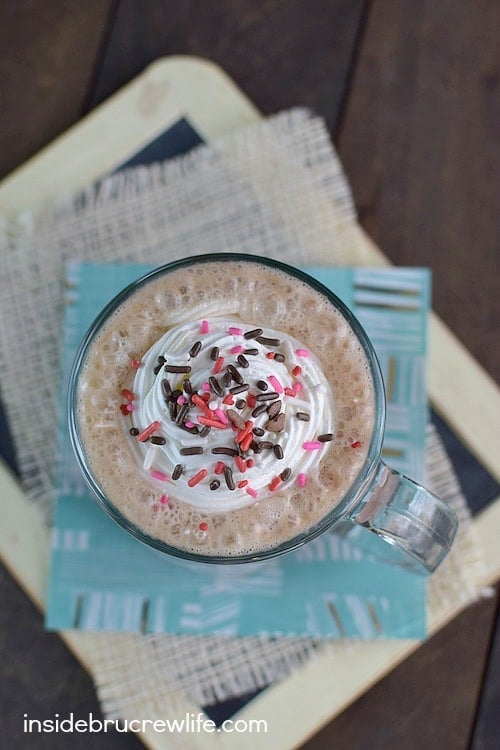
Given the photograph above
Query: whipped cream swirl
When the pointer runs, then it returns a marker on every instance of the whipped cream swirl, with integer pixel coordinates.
(205, 349)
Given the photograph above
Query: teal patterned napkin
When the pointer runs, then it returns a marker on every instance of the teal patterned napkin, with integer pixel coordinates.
(103, 579)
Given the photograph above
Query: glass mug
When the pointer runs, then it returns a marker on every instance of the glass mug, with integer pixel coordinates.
(381, 505)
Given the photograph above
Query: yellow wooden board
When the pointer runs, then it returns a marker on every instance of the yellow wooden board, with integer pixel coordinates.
(460, 391)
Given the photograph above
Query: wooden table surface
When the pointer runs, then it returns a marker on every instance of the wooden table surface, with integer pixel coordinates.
(409, 90)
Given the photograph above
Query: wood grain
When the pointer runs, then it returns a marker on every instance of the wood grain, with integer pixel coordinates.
(419, 144)
(48, 54)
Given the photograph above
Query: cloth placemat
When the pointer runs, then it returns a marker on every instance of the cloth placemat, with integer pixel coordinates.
(274, 189)
(103, 579)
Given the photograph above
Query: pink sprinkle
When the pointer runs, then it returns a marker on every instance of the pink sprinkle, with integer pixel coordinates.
(275, 384)
(181, 400)
(302, 352)
(250, 491)
(136, 363)
(297, 387)
(130, 407)
(159, 475)
(312, 445)
(236, 349)
(234, 331)
(302, 480)
(164, 499)
(189, 424)
(220, 413)
(205, 387)
(205, 328)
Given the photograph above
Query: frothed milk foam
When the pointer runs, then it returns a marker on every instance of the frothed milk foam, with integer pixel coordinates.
(169, 477)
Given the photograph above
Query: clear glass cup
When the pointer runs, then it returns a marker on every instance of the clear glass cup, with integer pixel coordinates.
(384, 511)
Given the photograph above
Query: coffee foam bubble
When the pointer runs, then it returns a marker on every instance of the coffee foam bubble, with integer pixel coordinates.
(262, 297)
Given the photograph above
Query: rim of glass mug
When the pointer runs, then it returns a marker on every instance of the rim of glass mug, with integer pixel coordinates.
(340, 511)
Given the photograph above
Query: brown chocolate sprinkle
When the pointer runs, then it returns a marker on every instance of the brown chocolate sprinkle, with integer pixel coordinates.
(266, 444)
(134, 431)
(177, 368)
(279, 357)
(188, 388)
(303, 416)
(260, 409)
(235, 374)
(285, 474)
(226, 379)
(214, 484)
(241, 403)
(157, 369)
(205, 430)
(214, 353)
(278, 450)
(267, 341)
(175, 394)
(242, 361)
(172, 410)
(177, 472)
(276, 424)
(165, 388)
(194, 450)
(252, 352)
(195, 349)
(255, 446)
(274, 409)
(258, 431)
(228, 476)
(270, 396)
(161, 360)
(325, 438)
(194, 430)
(239, 389)
(225, 451)
(262, 385)
(157, 440)
(235, 418)
(253, 333)
(215, 385)
(181, 414)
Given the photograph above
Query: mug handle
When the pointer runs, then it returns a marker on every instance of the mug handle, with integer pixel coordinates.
(418, 526)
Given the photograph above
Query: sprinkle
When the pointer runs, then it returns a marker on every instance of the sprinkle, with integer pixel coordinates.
(204, 431)
(270, 355)
(181, 400)
(246, 442)
(357, 444)
(285, 474)
(211, 422)
(148, 431)
(250, 491)
(195, 349)
(297, 387)
(251, 400)
(134, 431)
(229, 400)
(157, 369)
(236, 419)
(203, 526)
(312, 445)
(159, 475)
(204, 328)
(222, 449)
(215, 385)
(303, 416)
(244, 432)
(214, 484)
(189, 424)
(228, 476)
(296, 370)
(274, 409)
(182, 413)
(241, 403)
(277, 423)
(218, 365)
(290, 392)
(262, 385)
(260, 409)
(267, 341)
(275, 483)
(302, 353)
(326, 437)
(241, 388)
(258, 431)
(177, 368)
(161, 360)
(197, 478)
(201, 404)
(266, 444)
(236, 376)
(222, 416)
(278, 450)
(302, 480)
(219, 467)
(127, 394)
(165, 388)
(226, 379)
(253, 333)
(234, 331)
(205, 387)
(250, 463)
(157, 440)
(242, 484)
(236, 349)
(251, 352)
(192, 430)
(270, 396)
(242, 361)
(124, 409)
(178, 469)
(279, 357)
(214, 353)
(164, 499)
(194, 450)
(187, 387)
(135, 364)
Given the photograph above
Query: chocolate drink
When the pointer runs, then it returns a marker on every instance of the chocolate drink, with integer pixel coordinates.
(225, 407)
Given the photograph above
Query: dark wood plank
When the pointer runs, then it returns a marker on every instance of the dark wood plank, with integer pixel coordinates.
(281, 53)
(419, 144)
(48, 53)
(487, 726)
(429, 701)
